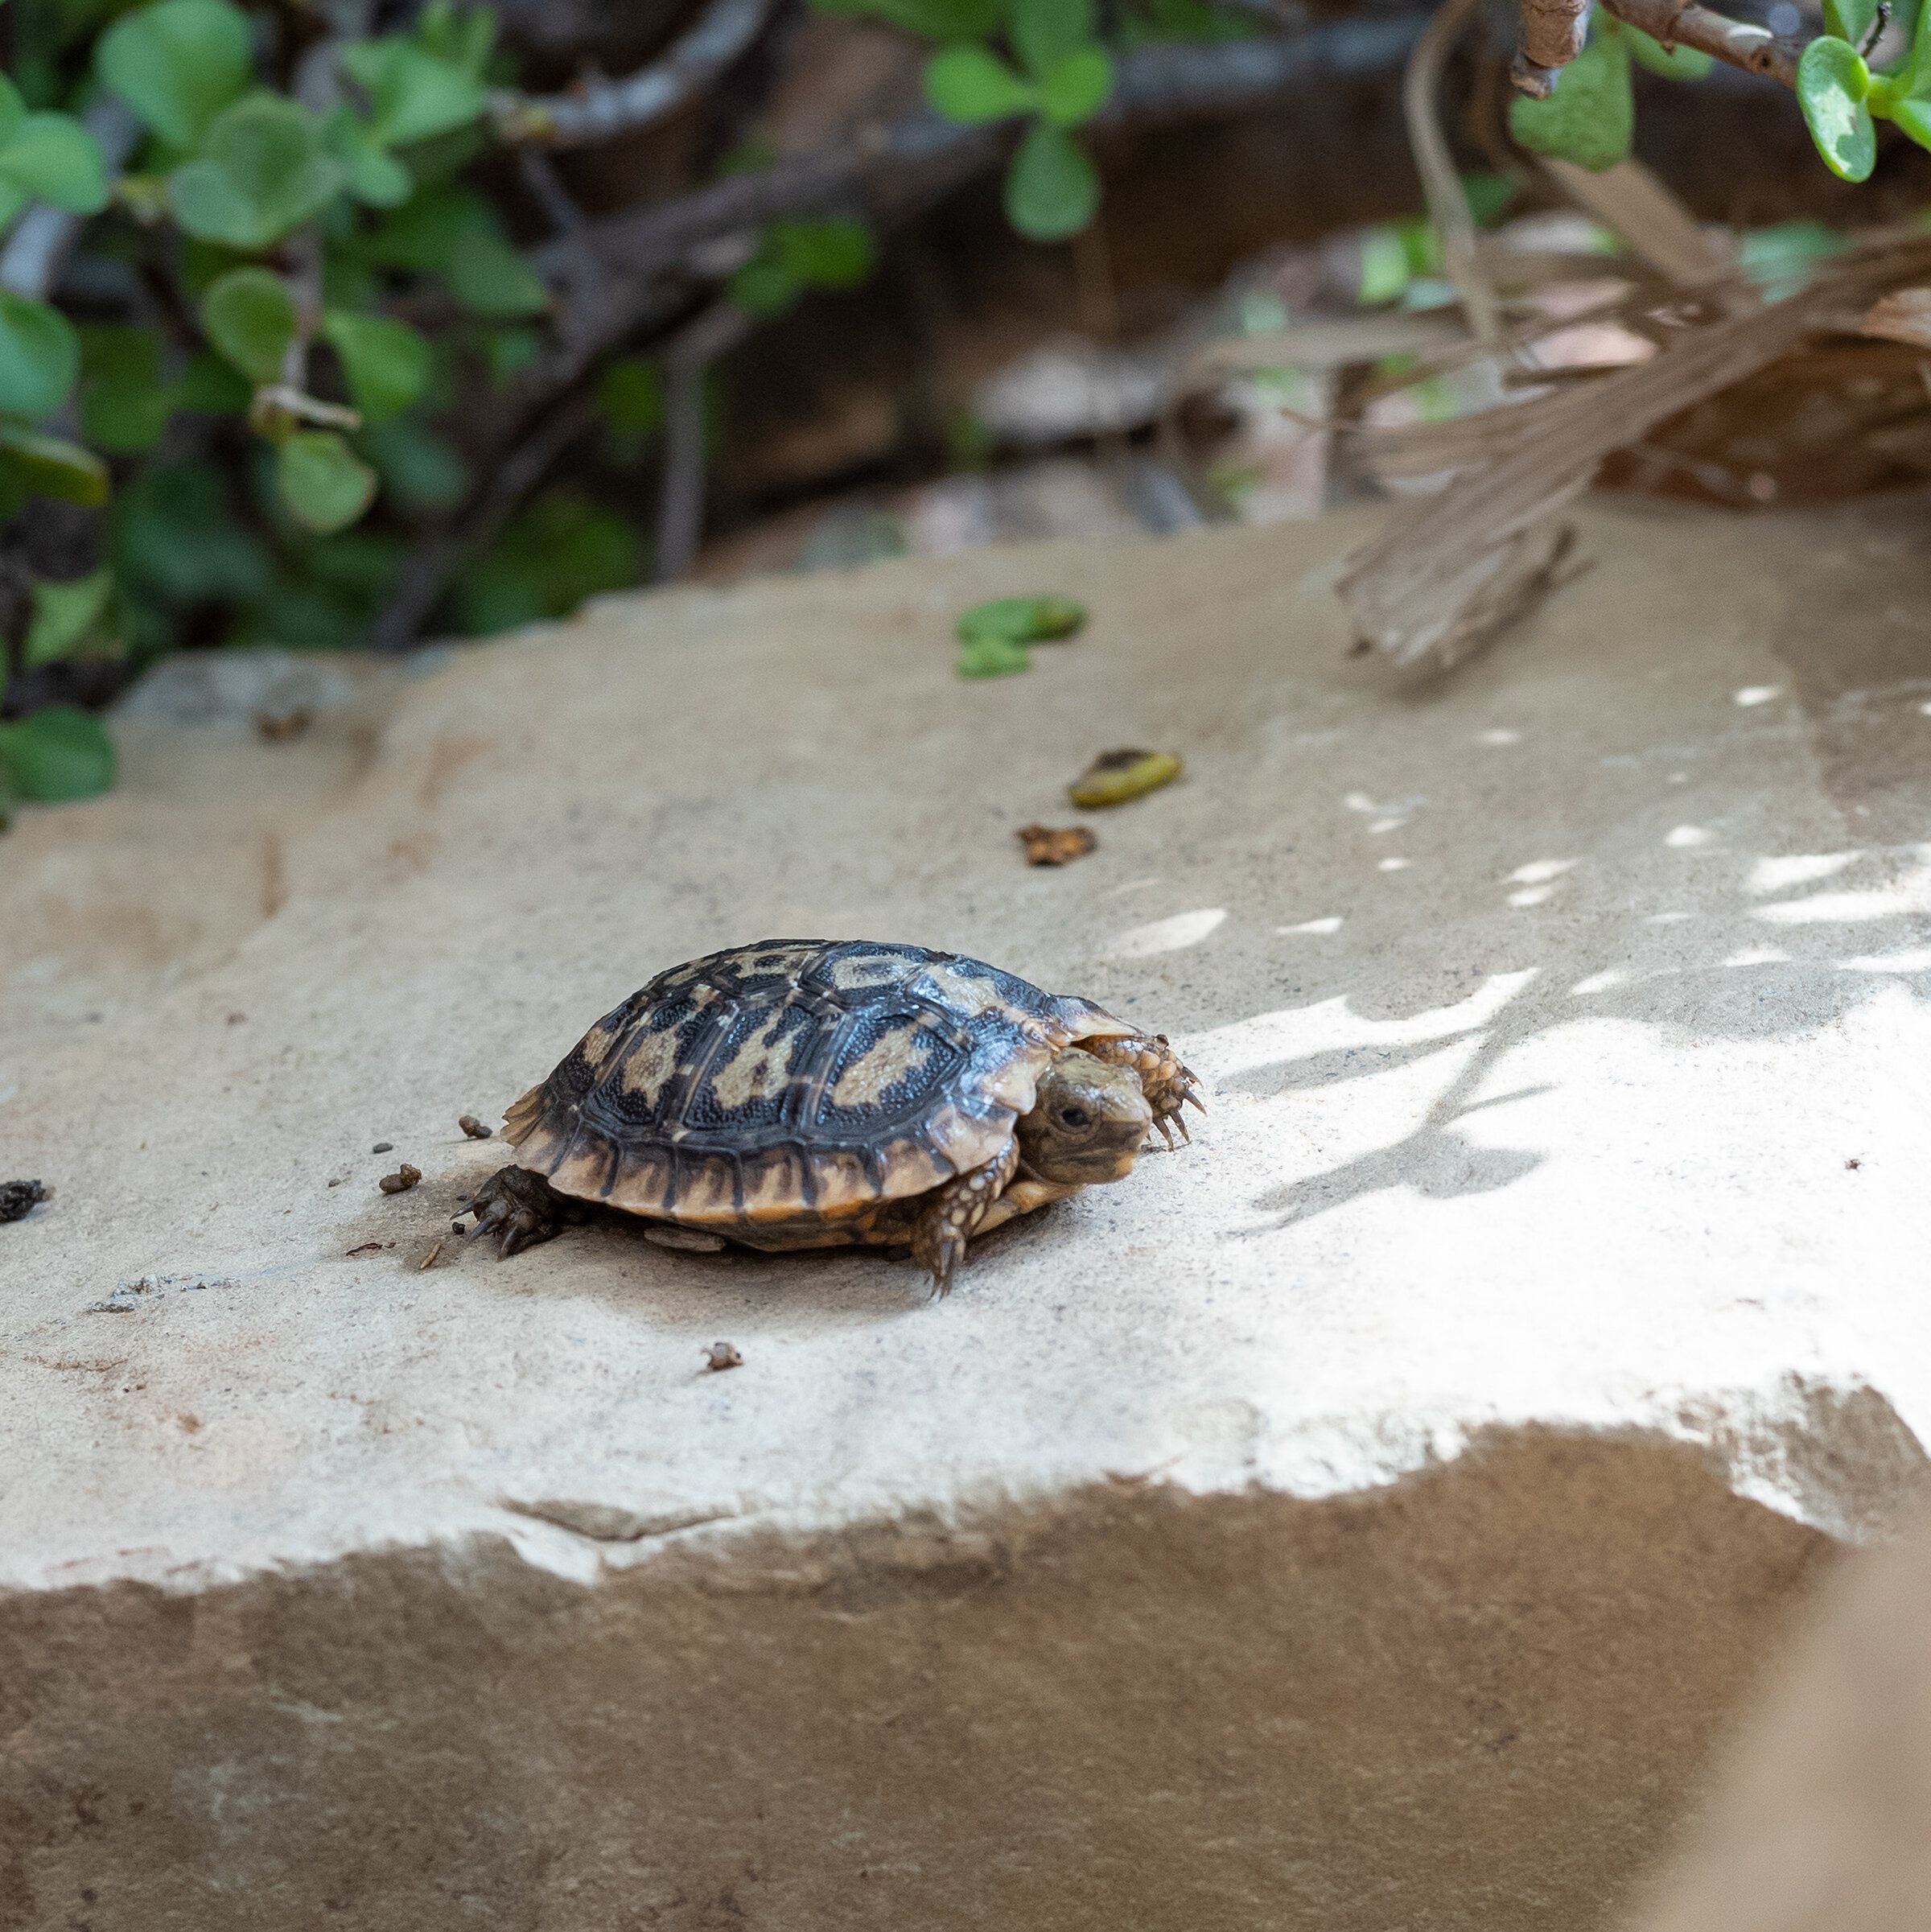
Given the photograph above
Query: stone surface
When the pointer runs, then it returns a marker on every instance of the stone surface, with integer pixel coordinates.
(1362, 1517)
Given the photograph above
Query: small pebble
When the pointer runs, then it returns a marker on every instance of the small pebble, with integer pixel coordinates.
(721, 1355)
(399, 1182)
(473, 1127)
(383, 1146)
(1854, 1162)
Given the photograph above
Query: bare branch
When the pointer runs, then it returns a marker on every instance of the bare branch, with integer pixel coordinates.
(601, 109)
(1441, 185)
(1158, 84)
(1754, 49)
(687, 358)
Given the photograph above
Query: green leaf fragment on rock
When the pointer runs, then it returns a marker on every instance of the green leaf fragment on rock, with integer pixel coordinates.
(1023, 619)
(986, 656)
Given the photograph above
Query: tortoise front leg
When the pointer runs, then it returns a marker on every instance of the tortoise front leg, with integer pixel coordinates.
(520, 1208)
(953, 1213)
(1167, 1081)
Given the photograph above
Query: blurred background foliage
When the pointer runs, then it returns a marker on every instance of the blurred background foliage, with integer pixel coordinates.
(335, 324)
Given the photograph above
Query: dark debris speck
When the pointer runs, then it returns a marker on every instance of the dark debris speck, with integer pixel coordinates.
(19, 1198)
(383, 1146)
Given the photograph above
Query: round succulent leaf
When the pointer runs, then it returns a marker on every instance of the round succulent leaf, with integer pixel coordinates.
(1850, 20)
(263, 171)
(49, 465)
(972, 85)
(39, 357)
(824, 254)
(52, 157)
(1044, 32)
(386, 362)
(325, 485)
(413, 95)
(1914, 117)
(58, 755)
(177, 64)
(64, 614)
(1590, 116)
(249, 315)
(765, 286)
(1052, 188)
(1832, 81)
(1075, 87)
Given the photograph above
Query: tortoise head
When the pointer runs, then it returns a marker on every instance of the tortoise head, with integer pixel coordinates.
(1089, 1123)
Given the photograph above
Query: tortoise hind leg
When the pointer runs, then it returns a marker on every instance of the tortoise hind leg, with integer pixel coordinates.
(520, 1208)
(954, 1212)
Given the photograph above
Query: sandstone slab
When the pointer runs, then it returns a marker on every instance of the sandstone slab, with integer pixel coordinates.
(1362, 1518)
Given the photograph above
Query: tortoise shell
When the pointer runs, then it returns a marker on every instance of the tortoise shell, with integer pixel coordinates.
(795, 1077)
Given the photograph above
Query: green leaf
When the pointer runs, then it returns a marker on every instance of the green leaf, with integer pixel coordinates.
(249, 315)
(376, 178)
(630, 397)
(63, 614)
(1051, 188)
(824, 255)
(324, 483)
(1044, 32)
(988, 657)
(413, 95)
(456, 233)
(1672, 63)
(1023, 619)
(971, 84)
(941, 20)
(45, 466)
(765, 287)
(563, 548)
(177, 64)
(58, 755)
(1832, 81)
(386, 362)
(1914, 117)
(1075, 89)
(1384, 272)
(13, 108)
(212, 387)
(461, 36)
(419, 470)
(177, 540)
(39, 357)
(1850, 19)
(1591, 116)
(263, 171)
(125, 402)
(52, 157)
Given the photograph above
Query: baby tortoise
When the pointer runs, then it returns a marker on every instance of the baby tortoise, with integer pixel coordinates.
(808, 1093)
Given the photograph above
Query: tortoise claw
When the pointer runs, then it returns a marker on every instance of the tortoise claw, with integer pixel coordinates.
(518, 1208)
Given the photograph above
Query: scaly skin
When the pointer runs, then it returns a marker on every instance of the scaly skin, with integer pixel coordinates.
(1168, 1083)
(951, 1215)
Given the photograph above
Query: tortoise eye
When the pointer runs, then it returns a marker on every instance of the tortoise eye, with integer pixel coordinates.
(1075, 1116)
